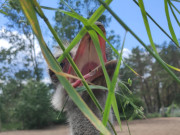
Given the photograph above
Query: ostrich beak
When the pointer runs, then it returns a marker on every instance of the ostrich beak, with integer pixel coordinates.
(87, 60)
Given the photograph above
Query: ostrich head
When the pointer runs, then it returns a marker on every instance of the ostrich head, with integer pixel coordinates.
(86, 58)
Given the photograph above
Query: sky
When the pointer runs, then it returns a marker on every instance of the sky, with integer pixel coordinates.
(130, 13)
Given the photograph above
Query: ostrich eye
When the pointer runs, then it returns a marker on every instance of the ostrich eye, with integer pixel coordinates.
(89, 38)
(62, 64)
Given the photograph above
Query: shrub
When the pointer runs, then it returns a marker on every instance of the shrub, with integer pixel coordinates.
(33, 108)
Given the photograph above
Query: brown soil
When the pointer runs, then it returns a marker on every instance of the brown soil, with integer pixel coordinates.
(155, 126)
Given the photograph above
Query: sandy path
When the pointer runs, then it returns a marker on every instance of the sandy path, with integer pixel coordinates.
(156, 126)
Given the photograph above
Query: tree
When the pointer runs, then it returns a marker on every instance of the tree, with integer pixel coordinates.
(140, 61)
(34, 109)
(170, 88)
(68, 27)
(21, 59)
(155, 87)
(20, 63)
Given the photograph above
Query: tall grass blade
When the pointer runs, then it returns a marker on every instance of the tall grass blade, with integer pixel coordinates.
(131, 68)
(82, 32)
(175, 8)
(98, 30)
(157, 24)
(2, 12)
(87, 26)
(111, 96)
(176, 0)
(114, 82)
(29, 11)
(89, 29)
(85, 22)
(141, 5)
(169, 23)
(95, 40)
(123, 86)
(149, 32)
(170, 5)
(161, 62)
(68, 56)
(96, 15)
(125, 118)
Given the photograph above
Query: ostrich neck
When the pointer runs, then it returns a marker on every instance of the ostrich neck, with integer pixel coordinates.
(79, 124)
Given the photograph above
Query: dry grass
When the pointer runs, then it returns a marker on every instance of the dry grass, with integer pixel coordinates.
(155, 126)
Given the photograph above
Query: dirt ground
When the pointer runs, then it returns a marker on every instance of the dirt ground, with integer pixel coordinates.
(155, 126)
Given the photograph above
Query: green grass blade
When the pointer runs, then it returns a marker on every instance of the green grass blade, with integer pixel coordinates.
(110, 98)
(84, 108)
(114, 82)
(161, 62)
(141, 5)
(169, 23)
(125, 118)
(173, 13)
(82, 88)
(116, 111)
(96, 15)
(29, 11)
(176, 0)
(87, 25)
(177, 69)
(2, 12)
(70, 59)
(175, 8)
(110, 85)
(100, 55)
(72, 10)
(157, 24)
(85, 22)
(99, 31)
(72, 14)
(123, 86)
(131, 68)
(95, 40)
(149, 32)
(82, 32)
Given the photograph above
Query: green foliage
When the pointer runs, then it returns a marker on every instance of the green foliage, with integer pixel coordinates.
(171, 110)
(153, 115)
(9, 97)
(17, 58)
(154, 87)
(11, 126)
(26, 106)
(19, 64)
(33, 107)
(26, 101)
(130, 105)
(29, 10)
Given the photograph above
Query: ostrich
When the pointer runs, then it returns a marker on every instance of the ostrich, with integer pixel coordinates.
(86, 59)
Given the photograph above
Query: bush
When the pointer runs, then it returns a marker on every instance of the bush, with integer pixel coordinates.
(34, 108)
(131, 103)
(153, 115)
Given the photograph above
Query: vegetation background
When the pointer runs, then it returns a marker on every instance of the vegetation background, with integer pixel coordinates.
(25, 96)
